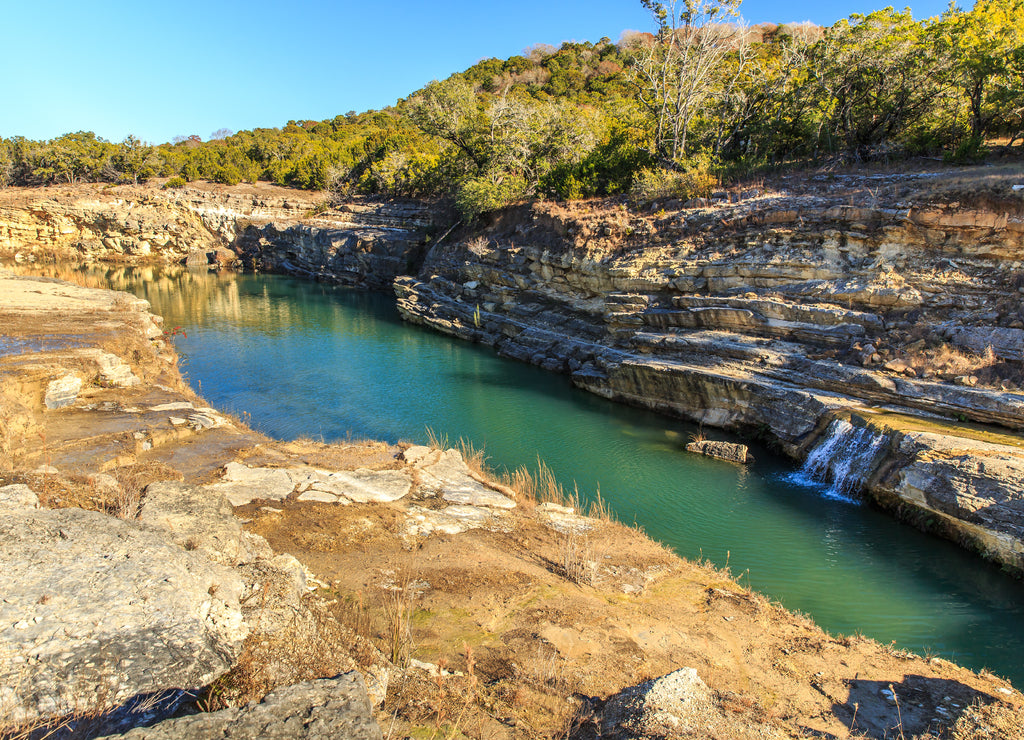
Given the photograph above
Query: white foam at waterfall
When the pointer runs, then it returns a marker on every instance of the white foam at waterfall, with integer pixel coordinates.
(843, 458)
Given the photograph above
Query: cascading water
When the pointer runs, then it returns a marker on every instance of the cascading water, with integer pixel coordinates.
(845, 457)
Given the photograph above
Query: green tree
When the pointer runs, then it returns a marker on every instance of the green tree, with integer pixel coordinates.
(985, 52)
(134, 161)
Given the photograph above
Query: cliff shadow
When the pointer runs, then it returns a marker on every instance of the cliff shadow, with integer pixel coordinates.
(914, 706)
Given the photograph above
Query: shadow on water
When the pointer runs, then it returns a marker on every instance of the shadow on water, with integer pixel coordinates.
(308, 359)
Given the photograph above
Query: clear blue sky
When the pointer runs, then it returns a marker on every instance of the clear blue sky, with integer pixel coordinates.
(160, 69)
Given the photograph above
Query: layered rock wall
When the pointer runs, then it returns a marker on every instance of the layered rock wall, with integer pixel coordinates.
(771, 316)
(363, 242)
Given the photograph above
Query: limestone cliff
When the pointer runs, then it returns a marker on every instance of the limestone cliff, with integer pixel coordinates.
(772, 314)
(365, 243)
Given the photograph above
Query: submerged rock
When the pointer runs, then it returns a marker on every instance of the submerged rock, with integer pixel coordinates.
(722, 450)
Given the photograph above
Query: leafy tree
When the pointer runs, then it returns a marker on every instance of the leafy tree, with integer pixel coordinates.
(985, 51)
(134, 161)
(872, 81)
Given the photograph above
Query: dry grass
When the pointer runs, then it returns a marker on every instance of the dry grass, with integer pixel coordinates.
(947, 360)
(578, 560)
(992, 722)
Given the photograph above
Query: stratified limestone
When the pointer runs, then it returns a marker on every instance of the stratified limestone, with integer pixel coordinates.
(769, 316)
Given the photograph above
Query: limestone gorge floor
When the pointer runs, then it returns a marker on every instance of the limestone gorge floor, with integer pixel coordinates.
(160, 558)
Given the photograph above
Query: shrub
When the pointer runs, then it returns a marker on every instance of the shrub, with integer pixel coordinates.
(657, 184)
(480, 194)
(175, 182)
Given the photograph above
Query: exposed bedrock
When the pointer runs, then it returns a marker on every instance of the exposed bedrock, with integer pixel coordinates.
(362, 242)
(772, 317)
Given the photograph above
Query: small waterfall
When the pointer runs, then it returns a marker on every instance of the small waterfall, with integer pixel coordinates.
(845, 456)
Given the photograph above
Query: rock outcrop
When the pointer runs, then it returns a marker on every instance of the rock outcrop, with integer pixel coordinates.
(769, 316)
(326, 709)
(97, 611)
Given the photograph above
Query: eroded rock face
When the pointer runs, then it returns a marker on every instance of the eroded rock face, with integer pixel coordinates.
(768, 316)
(97, 610)
(326, 709)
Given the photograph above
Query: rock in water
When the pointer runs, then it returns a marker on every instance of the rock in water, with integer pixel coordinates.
(325, 709)
(97, 610)
(722, 450)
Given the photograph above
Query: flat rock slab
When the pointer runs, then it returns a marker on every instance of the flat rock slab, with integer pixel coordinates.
(563, 519)
(197, 519)
(422, 522)
(363, 486)
(327, 709)
(445, 473)
(242, 484)
(96, 610)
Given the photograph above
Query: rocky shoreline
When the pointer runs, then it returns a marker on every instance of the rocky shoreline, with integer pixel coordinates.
(160, 558)
(889, 303)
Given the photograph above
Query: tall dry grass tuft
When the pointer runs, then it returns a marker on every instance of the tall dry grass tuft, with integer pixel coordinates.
(578, 560)
(537, 486)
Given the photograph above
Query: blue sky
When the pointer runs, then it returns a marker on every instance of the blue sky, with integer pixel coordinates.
(157, 70)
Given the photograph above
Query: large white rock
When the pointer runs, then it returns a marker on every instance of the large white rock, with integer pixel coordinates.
(96, 610)
(242, 484)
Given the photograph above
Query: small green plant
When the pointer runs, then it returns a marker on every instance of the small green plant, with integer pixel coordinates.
(175, 182)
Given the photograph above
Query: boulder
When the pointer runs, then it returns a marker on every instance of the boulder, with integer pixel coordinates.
(678, 704)
(722, 450)
(97, 611)
(327, 709)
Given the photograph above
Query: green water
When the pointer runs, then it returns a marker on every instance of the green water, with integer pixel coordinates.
(303, 359)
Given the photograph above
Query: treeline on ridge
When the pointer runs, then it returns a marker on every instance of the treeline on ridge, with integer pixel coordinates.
(702, 97)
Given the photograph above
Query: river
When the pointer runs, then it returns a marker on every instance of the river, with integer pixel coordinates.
(305, 359)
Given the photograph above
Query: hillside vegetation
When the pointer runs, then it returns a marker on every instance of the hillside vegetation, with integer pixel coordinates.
(701, 98)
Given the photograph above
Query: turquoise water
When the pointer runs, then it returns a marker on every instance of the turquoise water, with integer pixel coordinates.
(303, 359)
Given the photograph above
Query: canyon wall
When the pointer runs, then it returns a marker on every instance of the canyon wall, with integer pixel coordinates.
(361, 243)
(773, 315)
